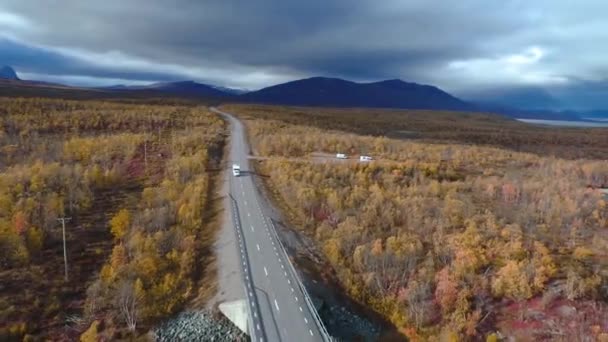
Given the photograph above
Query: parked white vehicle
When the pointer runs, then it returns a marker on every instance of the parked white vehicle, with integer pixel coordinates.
(341, 156)
(365, 158)
(236, 170)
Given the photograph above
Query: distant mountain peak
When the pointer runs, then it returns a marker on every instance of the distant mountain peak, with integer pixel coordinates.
(232, 91)
(320, 78)
(336, 92)
(394, 80)
(8, 73)
(186, 82)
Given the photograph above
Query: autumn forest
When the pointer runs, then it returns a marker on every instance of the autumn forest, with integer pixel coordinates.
(464, 225)
(132, 181)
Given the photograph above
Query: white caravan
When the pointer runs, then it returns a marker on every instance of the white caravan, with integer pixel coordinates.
(236, 170)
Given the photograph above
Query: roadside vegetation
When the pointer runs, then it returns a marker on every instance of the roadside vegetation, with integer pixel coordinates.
(135, 180)
(456, 233)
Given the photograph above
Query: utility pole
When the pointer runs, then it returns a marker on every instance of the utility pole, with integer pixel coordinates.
(65, 253)
(146, 154)
(149, 127)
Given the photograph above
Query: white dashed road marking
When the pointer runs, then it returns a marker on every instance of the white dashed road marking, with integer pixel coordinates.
(258, 246)
(310, 331)
(265, 271)
(277, 305)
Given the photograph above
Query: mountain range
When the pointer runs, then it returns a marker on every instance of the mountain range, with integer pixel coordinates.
(334, 92)
(8, 73)
(530, 103)
(183, 88)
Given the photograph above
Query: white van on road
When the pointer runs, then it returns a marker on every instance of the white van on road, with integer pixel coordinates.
(236, 170)
(341, 156)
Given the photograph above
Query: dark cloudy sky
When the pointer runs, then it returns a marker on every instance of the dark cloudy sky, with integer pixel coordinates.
(458, 45)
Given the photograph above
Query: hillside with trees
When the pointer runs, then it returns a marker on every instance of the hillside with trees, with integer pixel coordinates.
(134, 180)
(455, 234)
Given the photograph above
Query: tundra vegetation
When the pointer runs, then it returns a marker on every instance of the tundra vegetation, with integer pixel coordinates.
(469, 227)
(136, 181)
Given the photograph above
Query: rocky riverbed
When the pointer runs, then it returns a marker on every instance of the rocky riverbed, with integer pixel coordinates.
(345, 325)
(199, 326)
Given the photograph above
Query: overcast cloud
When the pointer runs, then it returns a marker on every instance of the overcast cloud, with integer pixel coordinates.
(461, 46)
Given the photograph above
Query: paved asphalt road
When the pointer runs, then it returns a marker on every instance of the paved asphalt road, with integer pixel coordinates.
(277, 298)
